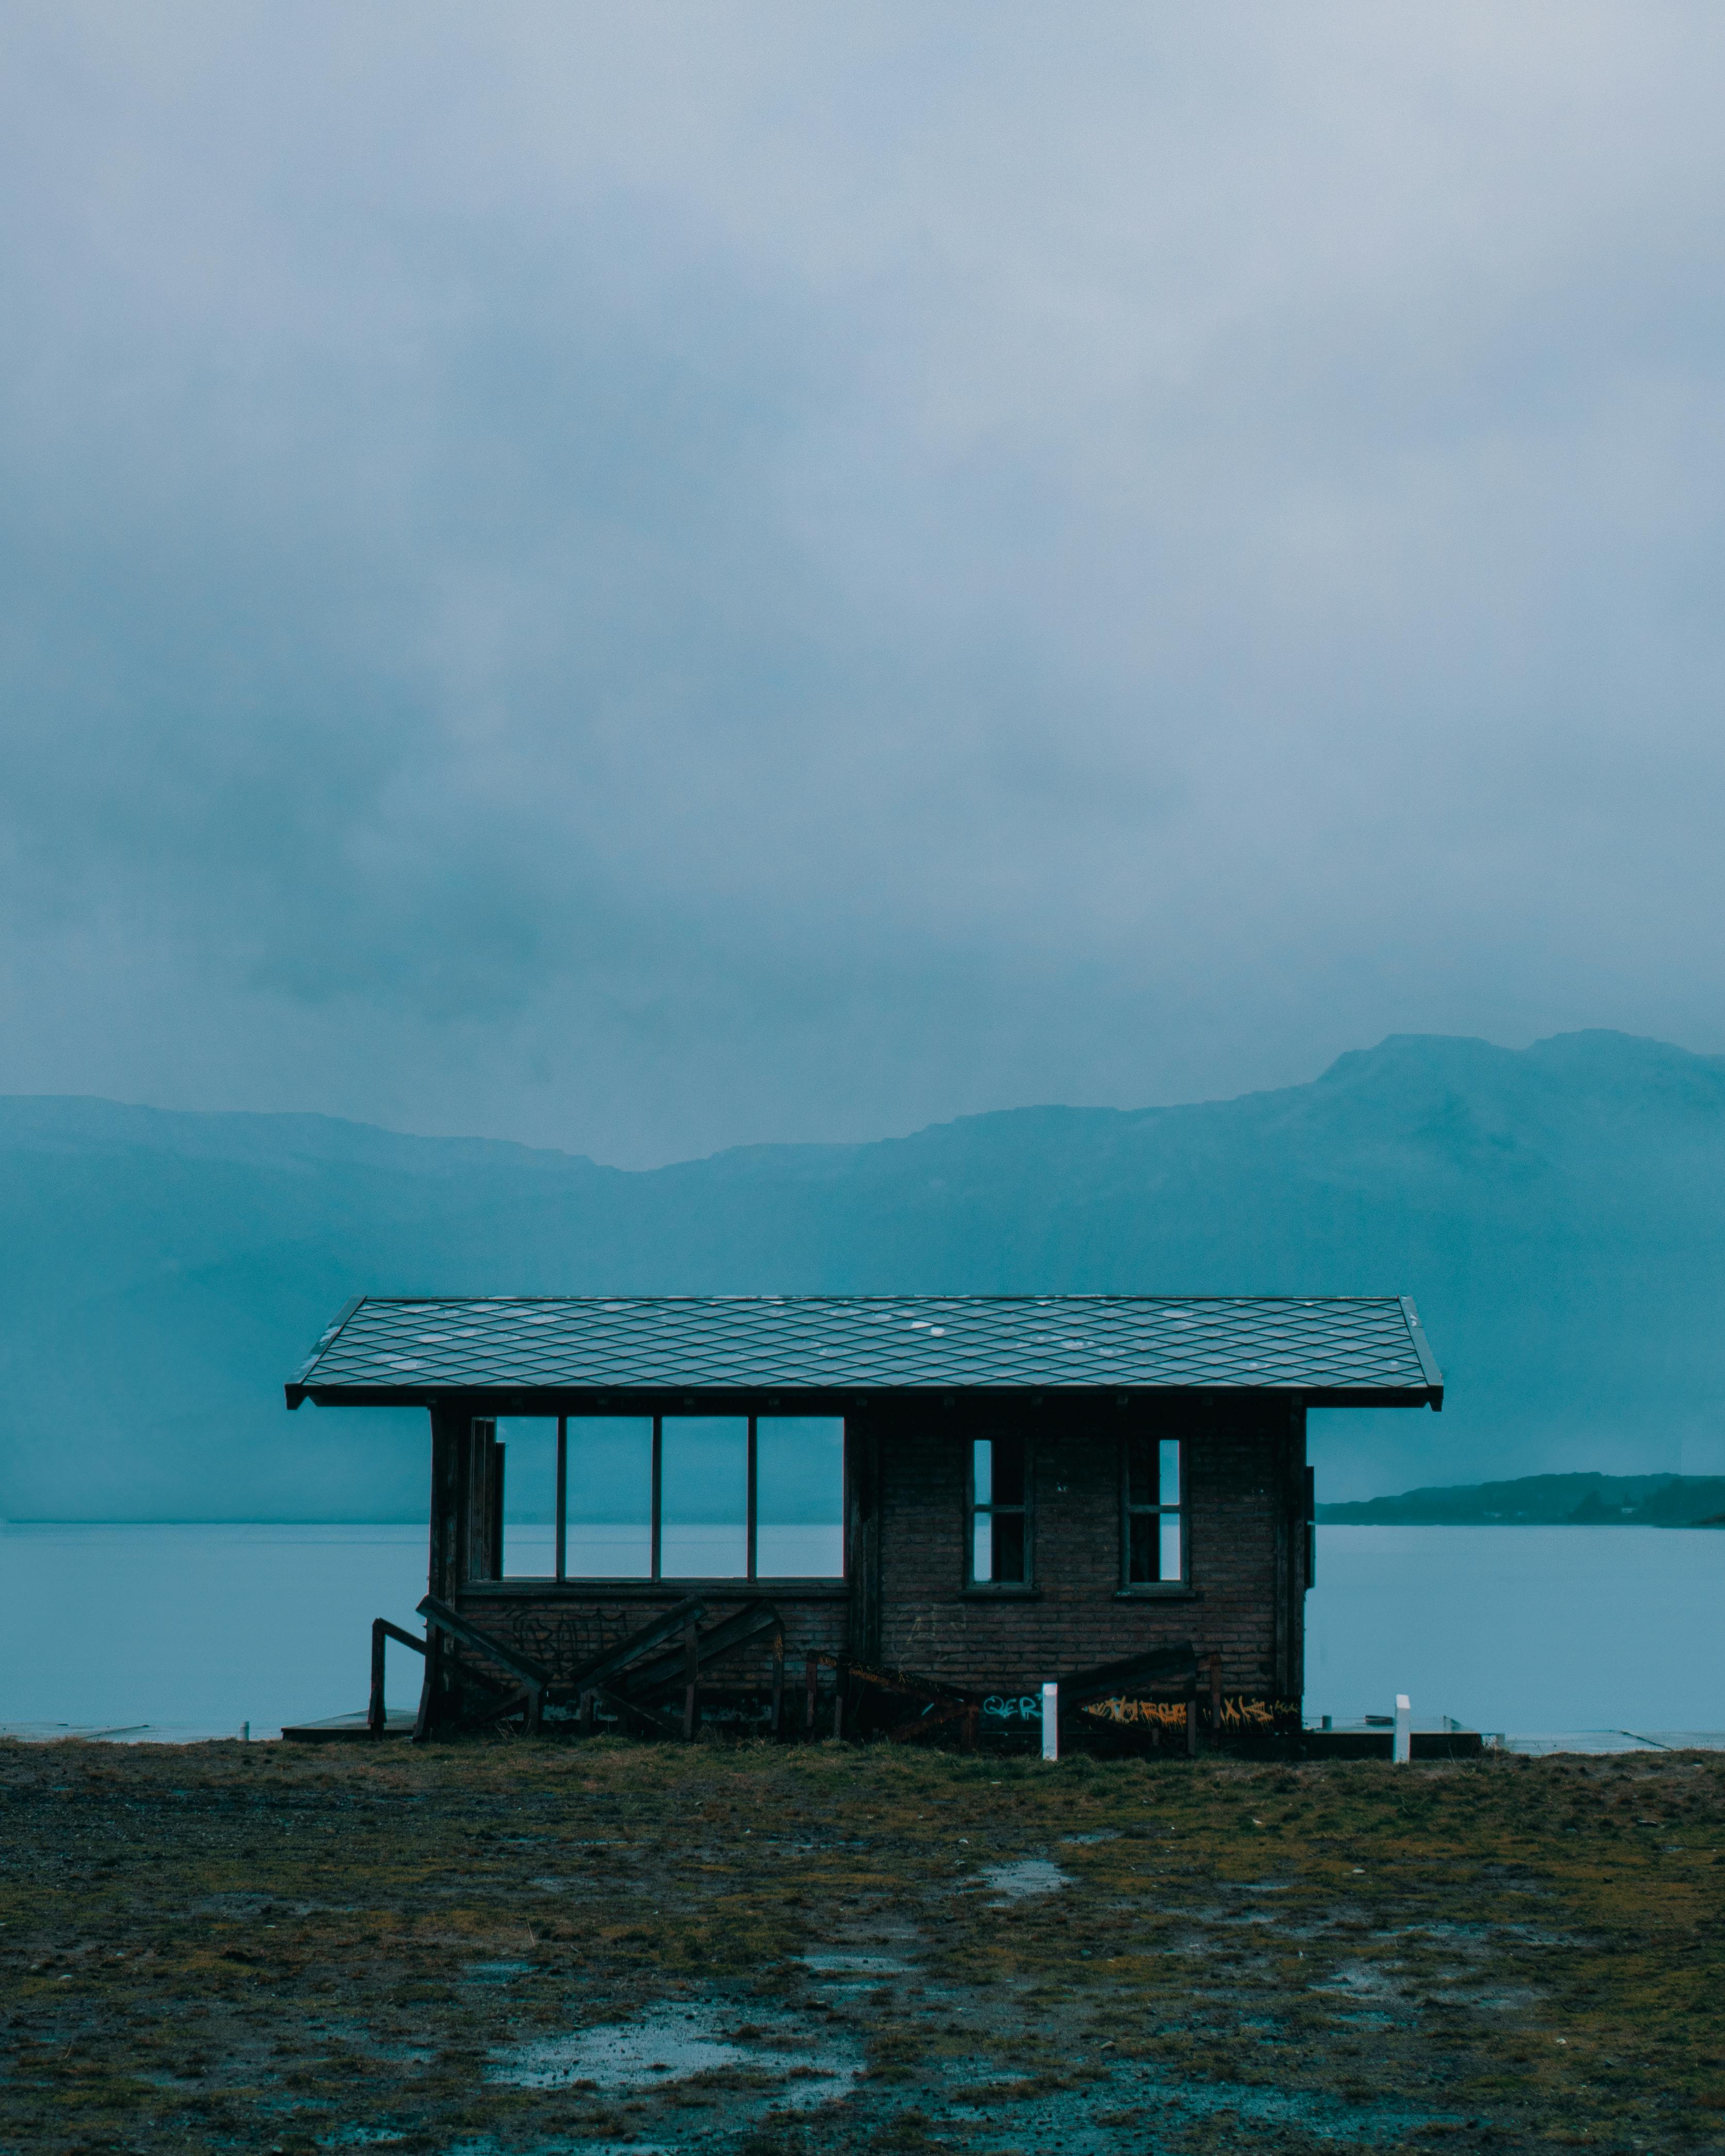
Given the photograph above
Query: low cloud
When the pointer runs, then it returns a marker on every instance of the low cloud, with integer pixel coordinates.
(645, 582)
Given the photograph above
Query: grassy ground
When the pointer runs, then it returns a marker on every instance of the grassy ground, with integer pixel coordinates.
(498, 1947)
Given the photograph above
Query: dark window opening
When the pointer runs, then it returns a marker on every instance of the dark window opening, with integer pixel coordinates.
(1154, 1512)
(999, 1542)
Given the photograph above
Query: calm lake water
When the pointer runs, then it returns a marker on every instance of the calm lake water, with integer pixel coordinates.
(1515, 1629)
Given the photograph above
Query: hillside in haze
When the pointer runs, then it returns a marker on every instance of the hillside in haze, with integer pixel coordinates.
(1556, 1212)
(1546, 1501)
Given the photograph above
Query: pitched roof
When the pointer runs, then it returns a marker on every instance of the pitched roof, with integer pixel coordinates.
(567, 1353)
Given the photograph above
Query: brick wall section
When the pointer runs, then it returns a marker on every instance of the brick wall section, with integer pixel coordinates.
(1241, 1472)
(562, 1626)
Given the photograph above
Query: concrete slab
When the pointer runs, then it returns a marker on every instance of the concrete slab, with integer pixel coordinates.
(1540, 1745)
(344, 1728)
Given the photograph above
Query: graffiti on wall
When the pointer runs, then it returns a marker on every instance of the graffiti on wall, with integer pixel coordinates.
(1011, 1706)
(1240, 1717)
(1153, 1713)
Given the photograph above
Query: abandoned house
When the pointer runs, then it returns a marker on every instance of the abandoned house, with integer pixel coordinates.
(924, 1507)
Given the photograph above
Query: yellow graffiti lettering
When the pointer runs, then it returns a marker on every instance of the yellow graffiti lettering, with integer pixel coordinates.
(1167, 1713)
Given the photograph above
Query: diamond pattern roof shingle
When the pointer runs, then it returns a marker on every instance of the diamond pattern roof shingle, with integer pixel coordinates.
(1352, 1349)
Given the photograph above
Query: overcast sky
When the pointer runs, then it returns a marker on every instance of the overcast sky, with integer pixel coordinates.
(646, 577)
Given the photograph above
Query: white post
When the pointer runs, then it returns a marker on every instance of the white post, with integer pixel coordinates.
(1403, 1749)
(1050, 1722)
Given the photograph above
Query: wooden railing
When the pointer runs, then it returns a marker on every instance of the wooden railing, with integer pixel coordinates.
(635, 1680)
(382, 1631)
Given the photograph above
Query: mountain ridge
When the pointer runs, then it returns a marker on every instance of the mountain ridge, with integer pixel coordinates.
(1554, 1211)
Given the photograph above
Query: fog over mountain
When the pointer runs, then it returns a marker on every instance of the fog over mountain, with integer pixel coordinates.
(1554, 1211)
(642, 580)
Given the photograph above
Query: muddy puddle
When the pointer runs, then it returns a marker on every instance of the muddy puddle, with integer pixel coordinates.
(796, 2068)
(1026, 1876)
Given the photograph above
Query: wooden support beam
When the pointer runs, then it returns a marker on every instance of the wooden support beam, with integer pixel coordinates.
(425, 1720)
(1161, 1666)
(382, 1631)
(718, 1640)
(777, 1725)
(862, 1535)
(906, 1682)
(610, 1660)
(811, 1679)
(628, 1710)
(374, 1704)
(1215, 1667)
(562, 1550)
(475, 1492)
(1293, 1687)
(656, 1545)
(937, 1714)
(442, 1569)
(437, 1612)
(691, 1678)
(533, 1676)
(499, 1710)
(753, 1494)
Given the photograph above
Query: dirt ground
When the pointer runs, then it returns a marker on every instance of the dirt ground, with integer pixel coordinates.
(493, 1946)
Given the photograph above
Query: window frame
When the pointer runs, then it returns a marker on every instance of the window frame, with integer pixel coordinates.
(656, 1575)
(1027, 1511)
(1181, 1510)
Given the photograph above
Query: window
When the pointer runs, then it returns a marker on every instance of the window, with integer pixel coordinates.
(676, 1498)
(528, 1446)
(1000, 1512)
(1154, 1521)
(799, 1507)
(704, 1497)
(606, 1489)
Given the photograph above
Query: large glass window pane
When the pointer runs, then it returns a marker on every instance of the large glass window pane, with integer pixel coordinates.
(610, 1509)
(799, 1497)
(704, 1497)
(529, 1495)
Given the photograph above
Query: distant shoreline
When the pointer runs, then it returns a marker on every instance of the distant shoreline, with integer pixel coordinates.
(1545, 1500)
(238, 1520)
(1414, 1508)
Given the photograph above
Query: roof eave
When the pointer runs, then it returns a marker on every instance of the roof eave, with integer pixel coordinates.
(754, 1400)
